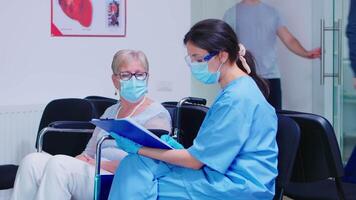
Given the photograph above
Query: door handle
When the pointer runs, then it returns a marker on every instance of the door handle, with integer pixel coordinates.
(339, 53)
(337, 27)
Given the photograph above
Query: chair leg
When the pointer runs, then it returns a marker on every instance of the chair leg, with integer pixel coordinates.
(278, 194)
(339, 189)
(281, 194)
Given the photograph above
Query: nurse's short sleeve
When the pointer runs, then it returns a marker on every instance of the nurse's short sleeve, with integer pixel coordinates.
(223, 133)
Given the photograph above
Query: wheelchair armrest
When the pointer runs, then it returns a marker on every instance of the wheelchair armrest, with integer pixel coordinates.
(64, 127)
(159, 132)
(98, 152)
(72, 125)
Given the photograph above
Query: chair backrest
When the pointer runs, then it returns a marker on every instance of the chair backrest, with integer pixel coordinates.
(100, 104)
(69, 109)
(288, 138)
(191, 118)
(318, 156)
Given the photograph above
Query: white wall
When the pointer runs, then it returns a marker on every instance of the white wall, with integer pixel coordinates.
(296, 72)
(36, 68)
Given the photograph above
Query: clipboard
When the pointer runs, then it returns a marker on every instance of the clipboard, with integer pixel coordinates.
(130, 129)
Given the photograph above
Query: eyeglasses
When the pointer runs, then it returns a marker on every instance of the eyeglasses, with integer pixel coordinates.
(125, 76)
(199, 59)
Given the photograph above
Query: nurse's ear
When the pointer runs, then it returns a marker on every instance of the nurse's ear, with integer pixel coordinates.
(223, 56)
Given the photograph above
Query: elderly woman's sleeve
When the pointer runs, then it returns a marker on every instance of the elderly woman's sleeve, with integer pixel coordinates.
(160, 121)
(91, 146)
(90, 149)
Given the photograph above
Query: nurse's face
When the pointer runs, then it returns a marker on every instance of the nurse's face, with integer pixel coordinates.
(197, 54)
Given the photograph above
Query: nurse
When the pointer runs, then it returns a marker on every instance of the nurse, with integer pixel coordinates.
(234, 155)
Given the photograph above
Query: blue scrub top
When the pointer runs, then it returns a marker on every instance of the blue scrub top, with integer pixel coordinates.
(237, 144)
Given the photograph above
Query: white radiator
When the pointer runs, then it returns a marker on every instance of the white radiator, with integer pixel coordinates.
(18, 131)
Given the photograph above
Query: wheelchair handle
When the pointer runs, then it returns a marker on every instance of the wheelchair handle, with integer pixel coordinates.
(193, 100)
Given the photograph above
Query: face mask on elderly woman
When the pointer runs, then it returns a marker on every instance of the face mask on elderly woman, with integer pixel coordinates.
(133, 90)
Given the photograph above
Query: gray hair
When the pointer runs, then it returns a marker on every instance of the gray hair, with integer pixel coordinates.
(125, 56)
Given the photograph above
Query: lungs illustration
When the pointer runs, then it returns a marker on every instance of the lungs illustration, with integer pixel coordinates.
(79, 10)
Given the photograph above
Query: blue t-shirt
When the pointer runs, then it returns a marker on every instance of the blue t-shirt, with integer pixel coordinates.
(256, 27)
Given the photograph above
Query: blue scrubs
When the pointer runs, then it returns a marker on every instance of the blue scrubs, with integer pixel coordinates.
(236, 143)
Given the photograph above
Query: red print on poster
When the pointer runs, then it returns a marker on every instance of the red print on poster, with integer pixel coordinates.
(104, 18)
(80, 10)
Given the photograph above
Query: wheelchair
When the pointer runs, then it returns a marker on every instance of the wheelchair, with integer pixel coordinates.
(187, 116)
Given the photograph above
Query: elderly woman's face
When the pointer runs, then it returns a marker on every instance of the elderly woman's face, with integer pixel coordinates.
(133, 69)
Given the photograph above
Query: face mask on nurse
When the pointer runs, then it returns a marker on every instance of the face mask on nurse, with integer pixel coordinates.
(200, 68)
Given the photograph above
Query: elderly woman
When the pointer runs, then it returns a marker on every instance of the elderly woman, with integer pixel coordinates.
(42, 176)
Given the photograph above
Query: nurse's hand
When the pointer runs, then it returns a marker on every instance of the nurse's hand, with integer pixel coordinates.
(126, 144)
(172, 142)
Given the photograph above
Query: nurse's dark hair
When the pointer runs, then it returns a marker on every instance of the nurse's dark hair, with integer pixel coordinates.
(216, 35)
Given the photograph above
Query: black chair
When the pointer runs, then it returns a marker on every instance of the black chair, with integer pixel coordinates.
(100, 104)
(55, 134)
(288, 137)
(350, 168)
(7, 176)
(64, 126)
(318, 169)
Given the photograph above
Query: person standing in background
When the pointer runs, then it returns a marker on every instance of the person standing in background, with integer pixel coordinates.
(258, 25)
(351, 35)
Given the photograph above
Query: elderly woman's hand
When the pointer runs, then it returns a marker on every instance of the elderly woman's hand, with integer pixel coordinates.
(126, 144)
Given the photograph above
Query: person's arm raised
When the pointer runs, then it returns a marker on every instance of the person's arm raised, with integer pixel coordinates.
(294, 45)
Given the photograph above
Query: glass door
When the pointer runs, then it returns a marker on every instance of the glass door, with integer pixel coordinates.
(338, 34)
(325, 77)
(333, 94)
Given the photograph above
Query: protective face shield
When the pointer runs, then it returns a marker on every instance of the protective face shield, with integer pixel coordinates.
(200, 69)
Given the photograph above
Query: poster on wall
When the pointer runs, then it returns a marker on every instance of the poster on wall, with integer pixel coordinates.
(88, 18)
